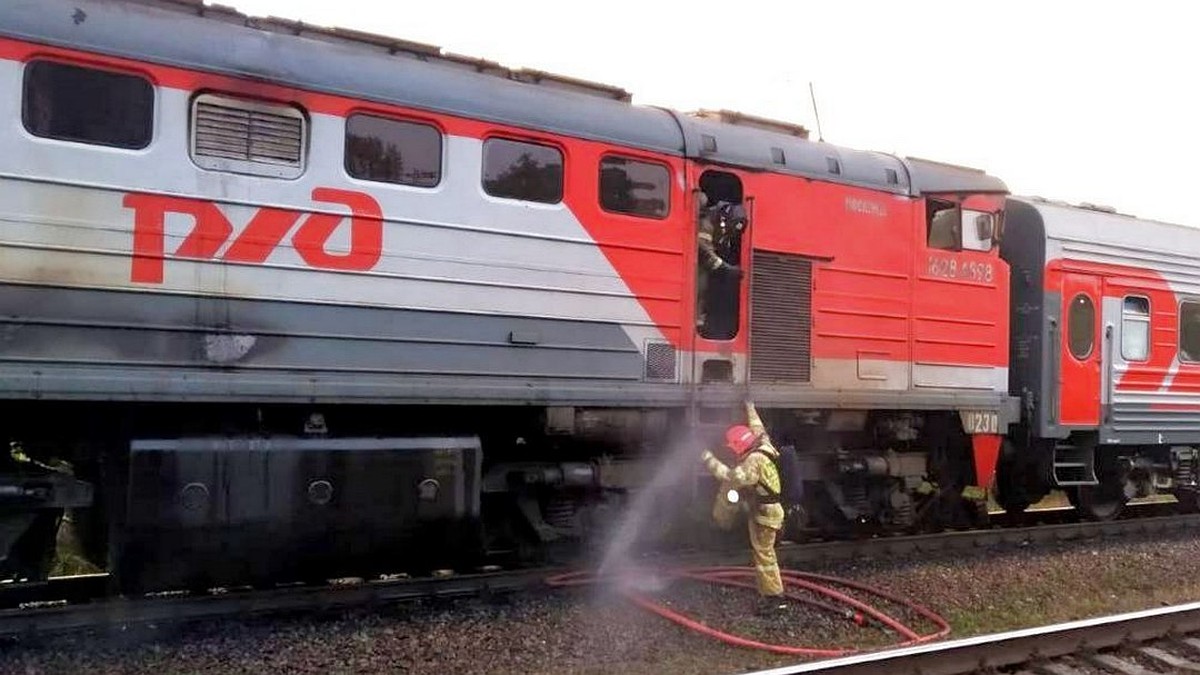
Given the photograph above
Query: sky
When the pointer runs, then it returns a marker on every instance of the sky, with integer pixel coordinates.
(1076, 101)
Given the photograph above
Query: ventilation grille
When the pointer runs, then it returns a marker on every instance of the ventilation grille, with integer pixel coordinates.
(241, 136)
(660, 361)
(781, 318)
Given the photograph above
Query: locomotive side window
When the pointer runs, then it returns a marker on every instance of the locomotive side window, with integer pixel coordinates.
(518, 170)
(952, 228)
(944, 228)
(393, 151)
(86, 105)
(633, 187)
(250, 137)
(1135, 329)
(1189, 331)
(1081, 326)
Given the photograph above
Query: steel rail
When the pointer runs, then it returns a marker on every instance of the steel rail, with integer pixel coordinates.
(75, 603)
(1013, 648)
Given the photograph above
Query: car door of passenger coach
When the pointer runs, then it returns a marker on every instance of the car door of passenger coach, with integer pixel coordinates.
(1080, 351)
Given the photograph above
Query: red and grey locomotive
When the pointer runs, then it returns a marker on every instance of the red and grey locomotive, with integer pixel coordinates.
(287, 300)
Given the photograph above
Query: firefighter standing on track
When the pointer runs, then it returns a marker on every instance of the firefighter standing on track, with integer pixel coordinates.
(756, 474)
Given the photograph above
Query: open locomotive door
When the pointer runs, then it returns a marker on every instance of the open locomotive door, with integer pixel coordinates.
(723, 223)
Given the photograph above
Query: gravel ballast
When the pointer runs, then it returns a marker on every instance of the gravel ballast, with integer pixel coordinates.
(590, 631)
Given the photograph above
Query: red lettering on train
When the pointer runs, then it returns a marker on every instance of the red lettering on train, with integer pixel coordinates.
(264, 232)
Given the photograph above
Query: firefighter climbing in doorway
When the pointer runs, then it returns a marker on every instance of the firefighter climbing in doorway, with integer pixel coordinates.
(757, 477)
(709, 262)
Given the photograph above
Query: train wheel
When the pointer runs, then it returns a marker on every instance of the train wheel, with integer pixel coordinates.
(1189, 500)
(1098, 502)
(1012, 493)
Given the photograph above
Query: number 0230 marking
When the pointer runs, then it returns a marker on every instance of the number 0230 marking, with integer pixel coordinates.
(981, 421)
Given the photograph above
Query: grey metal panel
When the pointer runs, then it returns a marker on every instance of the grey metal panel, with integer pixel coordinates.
(82, 382)
(1134, 424)
(781, 318)
(934, 177)
(177, 39)
(751, 148)
(798, 396)
(285, 345)
(88, 382)
(1128, 417)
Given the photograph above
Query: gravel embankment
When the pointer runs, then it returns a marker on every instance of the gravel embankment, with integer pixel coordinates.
(585, 631)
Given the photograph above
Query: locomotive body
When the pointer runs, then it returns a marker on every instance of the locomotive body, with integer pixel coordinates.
(303, 294)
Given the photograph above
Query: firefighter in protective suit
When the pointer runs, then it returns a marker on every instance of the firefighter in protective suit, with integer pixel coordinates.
(709, 261)
(758, 478)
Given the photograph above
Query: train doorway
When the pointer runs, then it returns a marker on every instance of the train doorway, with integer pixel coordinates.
(718, 293)
(1079, 359)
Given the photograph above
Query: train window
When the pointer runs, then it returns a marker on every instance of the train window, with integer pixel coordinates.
(944, 229)
(1135, 329)
(1189, 331)
(633, 187)
(86, 105)
(393, 151)
(251, 137)
(518, 170)
(1081, 326)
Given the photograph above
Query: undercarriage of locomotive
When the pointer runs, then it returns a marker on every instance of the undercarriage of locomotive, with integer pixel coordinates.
(284, 494)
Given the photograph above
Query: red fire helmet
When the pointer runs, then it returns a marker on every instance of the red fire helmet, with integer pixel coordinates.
(739, 438)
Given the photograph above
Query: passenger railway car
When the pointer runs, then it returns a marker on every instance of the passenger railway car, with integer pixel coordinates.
(1105, 357)
(287, 300)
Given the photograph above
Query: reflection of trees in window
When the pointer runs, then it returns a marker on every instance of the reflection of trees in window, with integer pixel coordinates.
(393, 151)
(637, 188)
(525, 171)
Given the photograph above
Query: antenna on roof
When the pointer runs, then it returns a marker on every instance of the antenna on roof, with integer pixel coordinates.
(813, 95)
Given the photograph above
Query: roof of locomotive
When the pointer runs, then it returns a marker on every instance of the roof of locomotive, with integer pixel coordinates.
(1088, 223)
(189, 34)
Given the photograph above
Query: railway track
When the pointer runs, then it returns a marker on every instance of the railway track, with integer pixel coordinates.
(1163, 640)
(69, 604)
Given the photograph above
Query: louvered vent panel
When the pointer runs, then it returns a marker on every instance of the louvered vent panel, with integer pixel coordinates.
(247, 134)
(781, 318)
(660, 361)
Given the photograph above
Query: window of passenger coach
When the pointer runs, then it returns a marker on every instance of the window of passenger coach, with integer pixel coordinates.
(1081, 326)
(1135, 329)
(1189, 331)
(393, 151)
(86, 105)
(634, 187)
(530, 172)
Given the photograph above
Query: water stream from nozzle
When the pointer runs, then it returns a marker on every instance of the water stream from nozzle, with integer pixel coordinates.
(648, 508)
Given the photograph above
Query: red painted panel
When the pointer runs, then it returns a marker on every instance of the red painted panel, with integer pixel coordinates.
(986, 451)
(960, 298)
(1122, 280)
(1079, 375)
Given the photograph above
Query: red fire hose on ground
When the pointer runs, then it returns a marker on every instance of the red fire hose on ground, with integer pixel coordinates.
(797, 587)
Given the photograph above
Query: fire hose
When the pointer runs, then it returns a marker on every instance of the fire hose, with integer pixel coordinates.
(800, 587)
